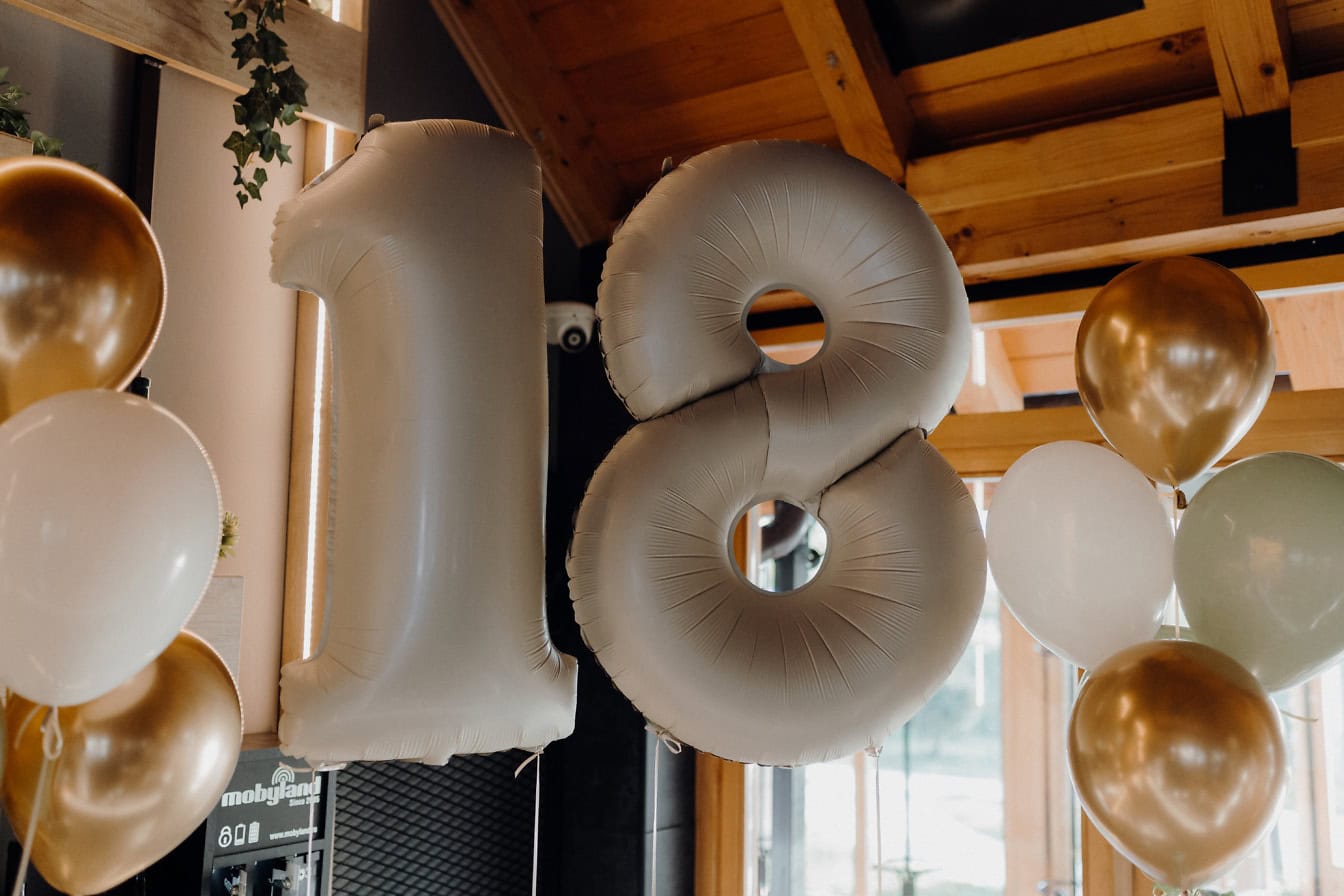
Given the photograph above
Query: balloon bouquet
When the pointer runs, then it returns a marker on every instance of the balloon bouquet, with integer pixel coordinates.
(121, 730)
(1175, 748)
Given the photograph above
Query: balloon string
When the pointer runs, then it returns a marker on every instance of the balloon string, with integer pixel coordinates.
(53, 742)
(1292, 715)
(536, 813)
(536, 827)
(876, 753)
(665, 739)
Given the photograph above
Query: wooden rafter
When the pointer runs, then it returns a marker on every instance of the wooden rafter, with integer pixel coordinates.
(195, 37)
(846, 59)
(991, 384)
(1041, 218)
(988, 444)
(1248, 41)
(510, 62)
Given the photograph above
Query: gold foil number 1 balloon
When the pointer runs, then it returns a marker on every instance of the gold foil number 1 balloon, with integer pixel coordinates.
(81, 283)
(1175, 359)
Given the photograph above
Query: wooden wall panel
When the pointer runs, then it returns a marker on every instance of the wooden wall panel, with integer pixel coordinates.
(1317, 28)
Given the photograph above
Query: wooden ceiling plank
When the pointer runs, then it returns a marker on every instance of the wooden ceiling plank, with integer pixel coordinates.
(581, 32)
(855, 79)
(1164, 139)
(1133, 75)
(1046, 375)
(1045, 339)
(640, 174)
(693, 65)
(1248, 41)
(1159, 19)
(1310, 331)
(1125, 221)
(195, 38)
(1318, 115)
(993, 387)
(1317, 28)
(988, 444)
(1163, 211)
(701, 122)
(499, 44)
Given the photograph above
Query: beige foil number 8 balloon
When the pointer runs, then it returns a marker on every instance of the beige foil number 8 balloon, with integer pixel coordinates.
(836, 665)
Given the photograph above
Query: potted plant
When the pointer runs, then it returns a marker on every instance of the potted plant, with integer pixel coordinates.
(16, 137)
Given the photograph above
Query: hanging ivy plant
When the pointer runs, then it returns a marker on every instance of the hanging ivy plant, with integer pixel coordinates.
(14, 120)
(277, 94)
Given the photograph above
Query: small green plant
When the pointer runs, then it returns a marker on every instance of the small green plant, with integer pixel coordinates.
(277, 94)
(14, 120)
(228, 536)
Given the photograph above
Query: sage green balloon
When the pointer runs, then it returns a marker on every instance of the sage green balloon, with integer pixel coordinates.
(1260, 565)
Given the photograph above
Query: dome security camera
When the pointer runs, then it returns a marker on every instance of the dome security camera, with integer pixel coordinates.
(570, 325)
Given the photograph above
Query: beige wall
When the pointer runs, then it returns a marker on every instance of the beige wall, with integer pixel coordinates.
(225, 360)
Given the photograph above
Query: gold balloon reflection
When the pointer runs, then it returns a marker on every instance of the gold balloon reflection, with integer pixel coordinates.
(141, 767)
(81, 282)
(1175, 358)
(1178, 757)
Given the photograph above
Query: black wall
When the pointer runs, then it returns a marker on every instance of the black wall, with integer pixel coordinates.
(80, 90)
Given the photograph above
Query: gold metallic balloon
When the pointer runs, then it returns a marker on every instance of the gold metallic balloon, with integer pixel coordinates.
(81, 282)
(141, 768)
(1175, 358)
(1178, 757)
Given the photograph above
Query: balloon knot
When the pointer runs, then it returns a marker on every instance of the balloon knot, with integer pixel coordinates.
(1181, 502)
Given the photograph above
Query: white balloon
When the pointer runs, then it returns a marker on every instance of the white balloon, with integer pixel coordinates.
(426, 245)
(109, 532)
(1080, 545)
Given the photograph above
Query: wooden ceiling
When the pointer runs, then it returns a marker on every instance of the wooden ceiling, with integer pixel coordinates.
(1093, 145)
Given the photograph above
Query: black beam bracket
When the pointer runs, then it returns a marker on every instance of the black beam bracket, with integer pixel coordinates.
(1259, 163)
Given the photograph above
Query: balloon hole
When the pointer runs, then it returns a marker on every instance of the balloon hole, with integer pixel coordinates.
(778, 546)
(791, 344)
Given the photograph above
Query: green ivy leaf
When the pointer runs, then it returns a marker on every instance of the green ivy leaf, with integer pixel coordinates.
(283, 153)
(238, 175)
(289, 114)
(245, 49)
(254, 190)
(242, 198)
(261, 177)
(270, 48)
(237, 20)
(293, 89)
(242, 146)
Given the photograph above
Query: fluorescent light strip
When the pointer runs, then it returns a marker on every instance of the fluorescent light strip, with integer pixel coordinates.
(315, 468)
(329, 150)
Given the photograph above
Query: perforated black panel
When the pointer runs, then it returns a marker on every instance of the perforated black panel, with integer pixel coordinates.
(407, 830)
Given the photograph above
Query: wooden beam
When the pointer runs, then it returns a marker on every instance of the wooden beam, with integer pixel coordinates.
(499, 43)
(990, 384)
(1168, 209)
(988, 444)
(1167, 139)
(1310, 338)
(1248, 41)
(1137, 59)
(194, 36)
(851, 70)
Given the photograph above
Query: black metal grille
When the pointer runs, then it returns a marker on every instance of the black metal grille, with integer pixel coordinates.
(405, 830)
